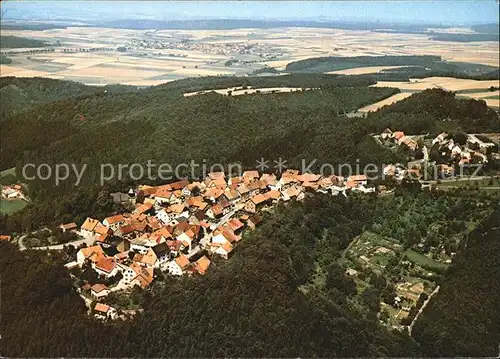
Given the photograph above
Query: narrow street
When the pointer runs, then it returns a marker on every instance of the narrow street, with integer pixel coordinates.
(56, 247)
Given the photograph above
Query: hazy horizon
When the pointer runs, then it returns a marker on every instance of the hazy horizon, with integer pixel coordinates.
(432, 12)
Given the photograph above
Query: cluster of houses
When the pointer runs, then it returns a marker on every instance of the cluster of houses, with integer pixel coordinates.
(178, 227)
(399, 138)
(11, 192)
(451, 153)
(243, 48)
(473, 151)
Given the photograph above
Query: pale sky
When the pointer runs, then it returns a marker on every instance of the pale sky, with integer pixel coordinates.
(442, 11)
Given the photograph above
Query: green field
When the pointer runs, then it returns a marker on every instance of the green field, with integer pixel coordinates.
(424, 261)
(10, 207)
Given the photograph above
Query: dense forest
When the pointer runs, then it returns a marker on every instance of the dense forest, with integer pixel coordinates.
(465, 37)
(19, 94)
(289, 80)
(411, 67)
(250, 305)
(266, 299)
(435, 111)
(14, 42)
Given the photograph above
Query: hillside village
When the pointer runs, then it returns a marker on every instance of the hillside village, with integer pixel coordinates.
(176, 228)
(446, 152)
(180, 228)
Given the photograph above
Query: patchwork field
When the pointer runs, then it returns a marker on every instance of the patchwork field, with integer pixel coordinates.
(364, 70)
(91, 55)
(492, 98)
(465, 88)
(447, 83)
(388, 101)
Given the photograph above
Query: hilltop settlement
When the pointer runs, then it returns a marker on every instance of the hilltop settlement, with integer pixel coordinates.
(176, 228)
(181, 228)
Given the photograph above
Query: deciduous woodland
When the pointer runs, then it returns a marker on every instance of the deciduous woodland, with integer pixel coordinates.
(285, 292)
(263, 301)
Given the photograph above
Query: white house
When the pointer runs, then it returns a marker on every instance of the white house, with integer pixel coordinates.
(186, 192)
(222, 250)
(87, 228)
(104, 311)
(106, 267)
(185, 240)
(99, 291)
(141, 245)
(163, 216)
(127, 273)
(114, 222)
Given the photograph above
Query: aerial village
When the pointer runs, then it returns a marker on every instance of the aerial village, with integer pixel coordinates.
(180, 228)
(176, 228)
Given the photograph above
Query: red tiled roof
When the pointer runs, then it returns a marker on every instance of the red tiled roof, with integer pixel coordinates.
(235, 224)
(101, 307)
(93, 253)
(126, 229)
(141, 208)
(101, 229)
(357, 178)
(216, 209)
(398, 134)
(273, 194)
(258, 198)
(106, 264)
(179, 184)
(202, 265)
(102, 237)
(251, 174)
(182, 261)
(98, 287)
(89, 224)
(115, 219)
